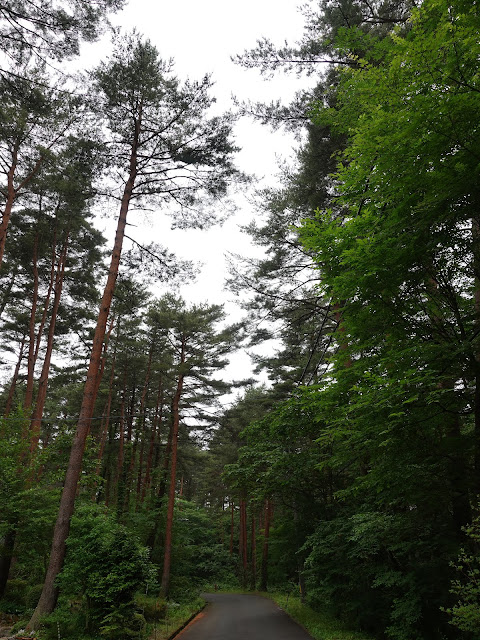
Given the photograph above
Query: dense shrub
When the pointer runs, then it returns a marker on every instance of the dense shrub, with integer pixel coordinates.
(465, 614)
(105, 566)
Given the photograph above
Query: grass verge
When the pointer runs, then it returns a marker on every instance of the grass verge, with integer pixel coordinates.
(177, 615)
(319, 624)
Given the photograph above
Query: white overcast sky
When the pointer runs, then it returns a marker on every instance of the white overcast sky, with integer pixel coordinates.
(201, 35)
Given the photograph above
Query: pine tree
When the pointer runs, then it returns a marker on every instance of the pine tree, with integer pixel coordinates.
(50, 29)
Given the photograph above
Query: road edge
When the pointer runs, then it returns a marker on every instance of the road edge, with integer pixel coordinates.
(186, 622)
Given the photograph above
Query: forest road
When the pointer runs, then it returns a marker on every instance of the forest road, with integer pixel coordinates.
(241, 617)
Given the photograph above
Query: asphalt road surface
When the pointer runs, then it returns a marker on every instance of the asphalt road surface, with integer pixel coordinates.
(242, 617)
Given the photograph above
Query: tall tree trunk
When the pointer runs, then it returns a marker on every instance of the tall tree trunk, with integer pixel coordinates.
(141, 429)
(36, 420)
(109, 466)
(253, 547)
(299, 555)
(458, 476)
(131, 448)
(162, 485)
(173, 474)
(103, 359)
(48, 597)
(8, 289)
(457, 469)
(243, 542)
(121, 445)
(46, 302)
(476, 364)
(153, 436)
(232, 523)
(31, 330)
(6, 555)
(266, 535)
(13, 384)
(11, 195)
(106, 419)
(13, 191)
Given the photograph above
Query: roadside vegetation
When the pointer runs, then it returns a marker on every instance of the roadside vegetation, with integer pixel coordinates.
(321, 625)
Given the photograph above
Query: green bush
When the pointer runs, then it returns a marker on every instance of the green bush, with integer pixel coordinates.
(120, 624)
(33, 596)
(105, 566)
(465, 614)
(14, 599)
(64, 621)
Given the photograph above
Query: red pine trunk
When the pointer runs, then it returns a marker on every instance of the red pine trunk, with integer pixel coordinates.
(231, 528)
(11, 195)
(155, 427)
(121, 435)
(141, 431)
(31, 331)
(173, 472)
(253, 547)
(243, 542)
(266, 535)
(476, 357)
(13, 384)
(46, 303)
(106, 415)
(43, 381)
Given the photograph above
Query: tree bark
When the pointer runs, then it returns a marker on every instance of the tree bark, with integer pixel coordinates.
(173, 473)
(253, 547)
(121, 445)
(141, 430)
(106, 420)
(162, 486)
(243, 542)
(155, 428)
(36, 420)
(300, 558)
(457, 469)
(266, 535)
(231, 527)
(31, 330)
(131, 448)
(46, 303)
(8, 289)
(476, 269)
(13, 384)
(6, 557)
(11, 195)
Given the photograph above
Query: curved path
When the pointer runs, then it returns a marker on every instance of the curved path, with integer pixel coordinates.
(242, 617)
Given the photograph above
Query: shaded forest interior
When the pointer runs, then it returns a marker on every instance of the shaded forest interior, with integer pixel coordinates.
(352, 479)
